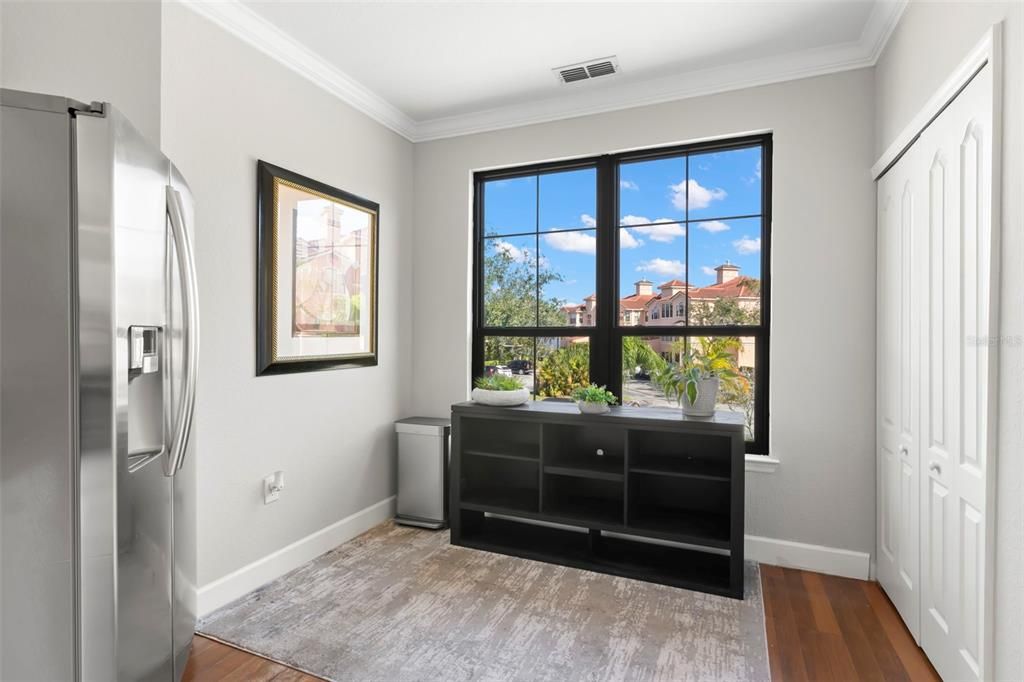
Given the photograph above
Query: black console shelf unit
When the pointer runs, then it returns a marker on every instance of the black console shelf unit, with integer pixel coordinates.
(642, 493)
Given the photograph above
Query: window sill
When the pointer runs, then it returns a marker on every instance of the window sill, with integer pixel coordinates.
(762, 464)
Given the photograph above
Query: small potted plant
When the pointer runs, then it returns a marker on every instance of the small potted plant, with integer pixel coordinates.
(695, 382)
(499, 390)
(699, 392)
(593, 399)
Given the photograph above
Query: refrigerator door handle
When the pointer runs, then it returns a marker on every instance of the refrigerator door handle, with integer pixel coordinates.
(182, 426)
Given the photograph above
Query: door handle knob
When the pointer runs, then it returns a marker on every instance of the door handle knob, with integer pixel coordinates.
(936, 467)
(904, 450)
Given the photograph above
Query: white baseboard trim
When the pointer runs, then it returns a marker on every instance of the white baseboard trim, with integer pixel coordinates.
(226, 589)
(818, 558)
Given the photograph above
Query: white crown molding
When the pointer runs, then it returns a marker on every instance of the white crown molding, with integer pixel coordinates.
(251, 28)
(656, 91)
(793, 66)
(880, 25)
(242, 22)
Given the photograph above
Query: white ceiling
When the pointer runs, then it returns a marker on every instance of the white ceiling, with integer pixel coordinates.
(435, 69)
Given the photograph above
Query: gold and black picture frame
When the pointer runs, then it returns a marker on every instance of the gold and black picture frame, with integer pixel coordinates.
(316, 275)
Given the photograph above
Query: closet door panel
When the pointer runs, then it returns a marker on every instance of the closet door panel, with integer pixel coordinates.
(899, 320)
(940, 395)
(887, 354)
(957, 387)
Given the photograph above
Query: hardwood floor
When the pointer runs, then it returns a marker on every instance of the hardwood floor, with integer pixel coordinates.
(212, 661)
(820, 627)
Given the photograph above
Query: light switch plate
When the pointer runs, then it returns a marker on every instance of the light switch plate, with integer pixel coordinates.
(272, 487)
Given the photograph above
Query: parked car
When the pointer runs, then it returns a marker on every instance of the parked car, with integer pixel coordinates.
(491, 370)
(521, 366)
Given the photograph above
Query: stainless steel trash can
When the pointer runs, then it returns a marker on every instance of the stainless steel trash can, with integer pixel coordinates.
(423, 471)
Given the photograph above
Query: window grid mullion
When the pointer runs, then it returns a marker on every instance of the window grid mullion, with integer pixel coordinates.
(686, 271)
(536, 252)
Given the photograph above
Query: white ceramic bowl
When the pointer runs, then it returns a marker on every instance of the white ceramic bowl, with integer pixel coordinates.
(500, 398)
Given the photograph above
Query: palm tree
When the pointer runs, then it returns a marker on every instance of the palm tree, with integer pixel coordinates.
(705, 357)
(637, 355)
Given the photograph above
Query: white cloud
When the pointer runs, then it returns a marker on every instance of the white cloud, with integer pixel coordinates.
(512, 251)
(628, 241)
(588, 220)
(629, 184)
(708, 270)
(747, 246)
(662, 266)
(659, 229)
(713, 226)
(700, 196)
(662, 232)
(756, 176)
(576, 242)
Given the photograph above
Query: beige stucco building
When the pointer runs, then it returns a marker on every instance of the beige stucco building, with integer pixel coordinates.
(668, 307)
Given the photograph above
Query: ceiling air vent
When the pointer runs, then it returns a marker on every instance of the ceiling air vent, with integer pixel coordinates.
(594, 68)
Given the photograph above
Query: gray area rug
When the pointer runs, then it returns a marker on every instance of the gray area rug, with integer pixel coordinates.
(400, 604)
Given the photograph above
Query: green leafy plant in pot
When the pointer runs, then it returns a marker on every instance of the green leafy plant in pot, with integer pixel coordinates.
(695, 381)
(499, 390)
(594, 399)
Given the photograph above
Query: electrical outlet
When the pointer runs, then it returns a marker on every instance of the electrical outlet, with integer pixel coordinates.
(272, 487)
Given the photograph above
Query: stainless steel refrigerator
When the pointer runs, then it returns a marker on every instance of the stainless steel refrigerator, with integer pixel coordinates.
(98, 342)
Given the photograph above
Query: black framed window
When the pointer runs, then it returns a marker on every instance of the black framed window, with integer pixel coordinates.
(608, 269)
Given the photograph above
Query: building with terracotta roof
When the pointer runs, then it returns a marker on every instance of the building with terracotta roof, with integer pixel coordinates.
(583, 314)
(668, 307)
(632, 308)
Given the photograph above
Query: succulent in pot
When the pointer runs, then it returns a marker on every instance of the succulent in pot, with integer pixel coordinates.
(499, 390)
(594, 399)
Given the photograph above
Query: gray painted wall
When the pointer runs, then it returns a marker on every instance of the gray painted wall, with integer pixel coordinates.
(929, 42)
(331, 432)
(823, 280)
(108, 51)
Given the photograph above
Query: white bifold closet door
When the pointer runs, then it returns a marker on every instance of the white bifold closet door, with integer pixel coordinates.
(936, 383)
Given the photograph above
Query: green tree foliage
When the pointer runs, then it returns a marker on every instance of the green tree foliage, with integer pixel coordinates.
(511, 284)
(726, 311)
(501, 350)
(561, 371)
(740, 394)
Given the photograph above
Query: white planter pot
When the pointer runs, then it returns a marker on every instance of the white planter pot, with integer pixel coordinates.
(500, 398)
(707, 398)
(592, 408)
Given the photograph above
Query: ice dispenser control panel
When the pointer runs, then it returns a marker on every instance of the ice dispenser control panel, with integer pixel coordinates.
(143, 353)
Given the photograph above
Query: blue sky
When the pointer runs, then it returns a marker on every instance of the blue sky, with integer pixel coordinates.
(653, 198)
